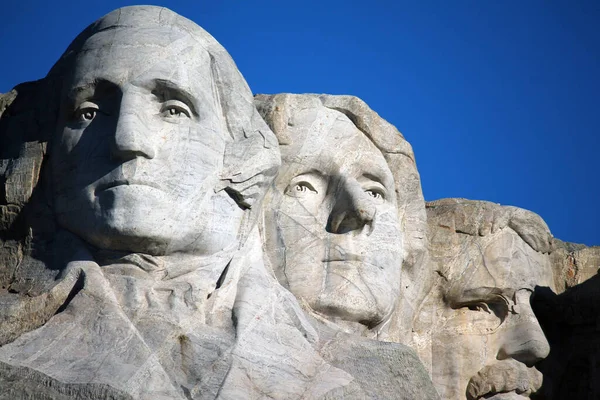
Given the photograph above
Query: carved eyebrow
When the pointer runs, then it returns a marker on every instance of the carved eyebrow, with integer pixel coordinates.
(460, 298)
(169, 90)
(311, 171)
(374, 177)
(381, 177)
(92, 88)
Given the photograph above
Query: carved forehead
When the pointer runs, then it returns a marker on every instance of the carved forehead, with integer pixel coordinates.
(136, 55)
(500, 260)
(312, 130)
(154, 28)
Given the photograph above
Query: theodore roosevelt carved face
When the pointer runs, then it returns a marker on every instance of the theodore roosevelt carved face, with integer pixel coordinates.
(331, 223)
(139, 150)
(487, 339)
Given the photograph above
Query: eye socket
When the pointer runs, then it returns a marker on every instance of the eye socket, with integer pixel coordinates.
(175, 109)
(479, 307)
(300, 189)
(376, 193)
(499, 308)
(86, 112)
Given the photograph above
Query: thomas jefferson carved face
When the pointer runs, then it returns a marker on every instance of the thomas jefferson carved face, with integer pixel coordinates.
(489, 340)
(140, 145)
(332, 228)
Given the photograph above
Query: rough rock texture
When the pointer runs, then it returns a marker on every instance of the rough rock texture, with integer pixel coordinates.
(573, 264)
(477, 328)
(345, 224)
(151, 246)
(132, 182)
(571, 320)
(455, 335)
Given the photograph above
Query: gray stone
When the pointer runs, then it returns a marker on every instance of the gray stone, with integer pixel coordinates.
(345, 221)
(477, 331)
(133, 177)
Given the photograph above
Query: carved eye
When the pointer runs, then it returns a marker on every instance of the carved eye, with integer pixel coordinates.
(86, 112)
(479, 307)
(498, 308)
(300, 189)
(375, 193)
(175, 109)
(304, 187)
(176, 112)
(88, 115)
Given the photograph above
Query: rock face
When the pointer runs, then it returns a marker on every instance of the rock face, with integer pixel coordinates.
(345, 221)
(166, 235)
(132, 265)
(571, 319)
(484, 338)
(492, 325)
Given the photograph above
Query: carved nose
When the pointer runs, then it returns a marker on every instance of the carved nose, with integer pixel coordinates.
(131, 138)
(352, 209)
(525, 341)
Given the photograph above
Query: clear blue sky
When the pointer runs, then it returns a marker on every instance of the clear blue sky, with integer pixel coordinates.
(500, 99)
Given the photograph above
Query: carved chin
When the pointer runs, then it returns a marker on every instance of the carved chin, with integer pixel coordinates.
(350, 301)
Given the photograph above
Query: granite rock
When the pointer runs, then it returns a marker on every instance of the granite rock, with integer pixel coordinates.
(477, 331)
(132, 265)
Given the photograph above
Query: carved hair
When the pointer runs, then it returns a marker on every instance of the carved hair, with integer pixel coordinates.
(252, 159)
(277, 111)
(480, 218)
(28, 122)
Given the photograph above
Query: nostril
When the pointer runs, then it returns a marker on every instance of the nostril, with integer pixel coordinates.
(344, 222)
(335, 220)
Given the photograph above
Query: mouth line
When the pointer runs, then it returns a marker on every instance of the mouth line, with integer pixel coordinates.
(491, 395)
(347, 257)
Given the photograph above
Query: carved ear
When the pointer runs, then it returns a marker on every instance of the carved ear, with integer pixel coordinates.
(252, 158)
(249, 167)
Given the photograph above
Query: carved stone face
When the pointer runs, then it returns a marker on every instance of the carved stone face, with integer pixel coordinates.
(332, 227)
(140, 145)
(490, 338)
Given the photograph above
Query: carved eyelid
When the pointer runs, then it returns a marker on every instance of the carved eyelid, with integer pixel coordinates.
(378, 182)
(92, 91)
(481, 295)
(308, 177)
(166, 90)
(178, 105)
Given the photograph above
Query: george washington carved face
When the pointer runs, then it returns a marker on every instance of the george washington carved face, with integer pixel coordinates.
(139, 151)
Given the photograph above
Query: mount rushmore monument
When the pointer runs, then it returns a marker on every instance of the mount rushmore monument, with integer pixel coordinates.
(166, 234)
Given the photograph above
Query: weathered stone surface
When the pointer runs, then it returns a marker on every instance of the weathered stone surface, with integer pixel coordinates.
(345, 222)
(133, 179)
(477, 327)
(571, 321)
(138, 258)
(573, 264)
(345, 208)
